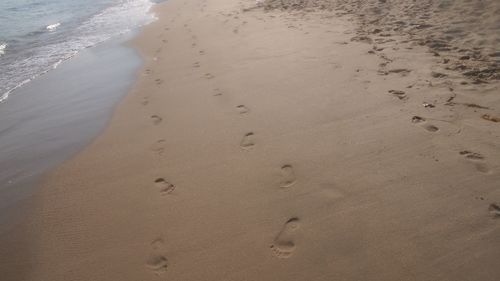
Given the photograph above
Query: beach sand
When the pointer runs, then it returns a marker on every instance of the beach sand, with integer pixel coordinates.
(268, 144)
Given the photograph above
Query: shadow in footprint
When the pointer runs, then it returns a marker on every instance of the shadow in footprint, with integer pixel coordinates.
(157, 262)
(164, 186)
(423, 123)
(399, 94)
(477, 159)
(217, 92)
(284, 245)
(158, 146)
(156, 119)
(494, 210)
(242, 109)
(288, 176)
(248, 140)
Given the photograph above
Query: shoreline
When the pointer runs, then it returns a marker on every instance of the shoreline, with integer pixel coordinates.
(270, 146)
(46, 124)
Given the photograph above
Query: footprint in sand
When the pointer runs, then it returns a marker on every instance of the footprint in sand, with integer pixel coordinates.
(242, 109)
(157, 262)
(209, 76)
(158, 146)
(247, 141)
(284, 246)
(288, 176)
(494, 210)
(477, 159)
(217, 92)
(158, 81)
(196, 64)
(399, 94)
(156, 119)
(423, 123)
(145, 101)
(164, 186)
(201, 52)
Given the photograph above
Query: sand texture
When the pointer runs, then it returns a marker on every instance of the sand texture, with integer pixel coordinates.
(270, 144)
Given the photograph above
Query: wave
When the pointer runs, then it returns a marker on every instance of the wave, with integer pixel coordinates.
(53, 48)
(2, 49)
(6, 95)
(53, 27)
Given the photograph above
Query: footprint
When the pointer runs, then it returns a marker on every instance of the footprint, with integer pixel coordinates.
(157, 244)
(158, 146)
(494, 210)
(471, 155)
(421, 120)
(145, 101)
(242, 109)
(164, 186)
(248, 140)
(284, 246)
(156, 119)
(217, 92)
(431, 128)
(288, 176)
(157, 262)
(196, 64)
(417, 119)
(158, 81)
(201, 52)
(399, 94)
(477, 159)
(209, 76)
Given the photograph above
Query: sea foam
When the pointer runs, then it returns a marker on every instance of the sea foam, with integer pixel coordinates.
(2, 49)
(53, 27)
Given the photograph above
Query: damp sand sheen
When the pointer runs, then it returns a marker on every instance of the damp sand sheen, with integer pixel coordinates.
(261, 143)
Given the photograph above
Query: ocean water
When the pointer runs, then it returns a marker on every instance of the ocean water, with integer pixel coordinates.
(37, 35)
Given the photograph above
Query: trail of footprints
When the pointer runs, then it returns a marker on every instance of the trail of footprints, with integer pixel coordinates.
(283, 245)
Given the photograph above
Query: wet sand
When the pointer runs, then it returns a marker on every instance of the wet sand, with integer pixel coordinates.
(47, 122)
(263, 144)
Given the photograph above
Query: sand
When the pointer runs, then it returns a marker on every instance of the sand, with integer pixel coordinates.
(269, 144)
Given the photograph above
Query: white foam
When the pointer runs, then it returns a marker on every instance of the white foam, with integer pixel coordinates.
(110, 22)
(5, 96)
(53, 27)
(2, 49)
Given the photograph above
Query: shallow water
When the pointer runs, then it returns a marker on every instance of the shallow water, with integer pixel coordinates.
(37, 35)
(56, 115)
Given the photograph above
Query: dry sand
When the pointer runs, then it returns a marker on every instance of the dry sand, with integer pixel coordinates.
(261, 144)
